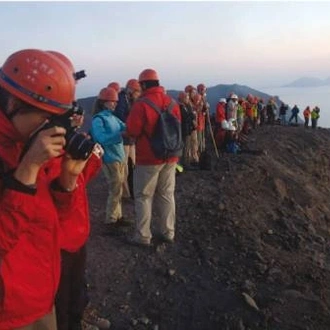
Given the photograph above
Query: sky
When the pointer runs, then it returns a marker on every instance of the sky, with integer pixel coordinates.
(259, 44)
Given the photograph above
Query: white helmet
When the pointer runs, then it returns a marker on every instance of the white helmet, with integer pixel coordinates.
(222, 100)
(234, 96)
(224, 124)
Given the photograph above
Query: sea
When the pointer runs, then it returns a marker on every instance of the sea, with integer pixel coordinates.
(304, 96)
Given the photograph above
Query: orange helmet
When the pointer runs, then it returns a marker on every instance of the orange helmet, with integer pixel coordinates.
(182, 96)
(63, 58)
(133, 84)
(39, 78)
(188, 88)
(201, 88)
(115, 86)
(148, 74)
(108, 94)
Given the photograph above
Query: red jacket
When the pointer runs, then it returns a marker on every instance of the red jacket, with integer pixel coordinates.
(220, 113)
(29, 237)
(141, 123)
(75, 229)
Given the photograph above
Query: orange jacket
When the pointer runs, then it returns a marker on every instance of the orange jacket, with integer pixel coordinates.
(141, 123)
(307, 113)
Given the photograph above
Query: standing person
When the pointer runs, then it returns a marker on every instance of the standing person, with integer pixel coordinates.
(191, 91)
(107, 130)
(200, 127)
(221, 123)
(315, 115)
(73, 308)
(232, 109)
(187, 125)
(294, 114)
(283, 110)
(271, 111)
(307, 114)
(154, 178)
(39, 185)
(72, 301)
(262, 111)
(126, 98)
(202, 116)
(240, 113)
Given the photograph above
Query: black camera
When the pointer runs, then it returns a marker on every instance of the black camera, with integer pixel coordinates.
(78, 145)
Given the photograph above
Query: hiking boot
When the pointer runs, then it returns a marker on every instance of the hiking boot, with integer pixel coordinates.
(123, 222)
(134, 242)
(92, 317)
(87, 326)
(165, 239)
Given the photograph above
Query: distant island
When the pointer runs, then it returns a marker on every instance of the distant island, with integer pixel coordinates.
(309, 82)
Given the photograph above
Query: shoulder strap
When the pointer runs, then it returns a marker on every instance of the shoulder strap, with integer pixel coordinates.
(169, 108)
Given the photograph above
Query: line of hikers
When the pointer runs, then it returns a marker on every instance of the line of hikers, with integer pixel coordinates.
(46, 164)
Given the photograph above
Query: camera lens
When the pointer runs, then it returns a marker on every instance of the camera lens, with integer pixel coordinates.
(79, 146)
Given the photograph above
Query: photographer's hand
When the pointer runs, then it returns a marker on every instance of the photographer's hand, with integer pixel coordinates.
(48, 144)
(71, 168)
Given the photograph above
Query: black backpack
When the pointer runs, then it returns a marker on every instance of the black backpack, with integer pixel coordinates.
(166, 140)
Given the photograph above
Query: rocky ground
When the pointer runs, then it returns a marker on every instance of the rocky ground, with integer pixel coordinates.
(251, 251)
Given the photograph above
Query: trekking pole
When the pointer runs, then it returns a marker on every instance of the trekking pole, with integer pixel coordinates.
(211, 133)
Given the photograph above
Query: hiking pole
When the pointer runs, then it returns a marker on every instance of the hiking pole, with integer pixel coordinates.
(211, 133)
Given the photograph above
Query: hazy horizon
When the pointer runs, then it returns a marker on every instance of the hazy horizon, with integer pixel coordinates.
(257, 44)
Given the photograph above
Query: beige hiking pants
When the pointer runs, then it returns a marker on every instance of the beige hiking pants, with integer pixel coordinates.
(129, 152)
(114, 173)
(194, 146)
(154, 187)
(48, 322)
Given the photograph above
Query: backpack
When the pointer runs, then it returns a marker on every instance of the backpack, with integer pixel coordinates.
(166, 140)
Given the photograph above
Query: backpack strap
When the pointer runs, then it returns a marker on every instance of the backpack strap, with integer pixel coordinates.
(168, 108)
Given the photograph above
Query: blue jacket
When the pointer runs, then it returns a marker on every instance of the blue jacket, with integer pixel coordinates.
(106, 130)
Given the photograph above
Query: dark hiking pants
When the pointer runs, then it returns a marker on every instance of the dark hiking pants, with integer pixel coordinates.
(71, 298)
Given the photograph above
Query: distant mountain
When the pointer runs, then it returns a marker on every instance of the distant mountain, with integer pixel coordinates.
(309, 82)
(219, 91)
(213, 95)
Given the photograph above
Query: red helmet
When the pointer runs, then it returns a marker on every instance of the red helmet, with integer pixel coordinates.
(115, 86)
(148, 74)
(182, 96)
(39, 78)
(250, 98)
(201, 88)
(133, 84)
(108, 94)
(188, 88)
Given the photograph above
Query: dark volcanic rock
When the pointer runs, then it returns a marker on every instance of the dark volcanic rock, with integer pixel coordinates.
(255, 224)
